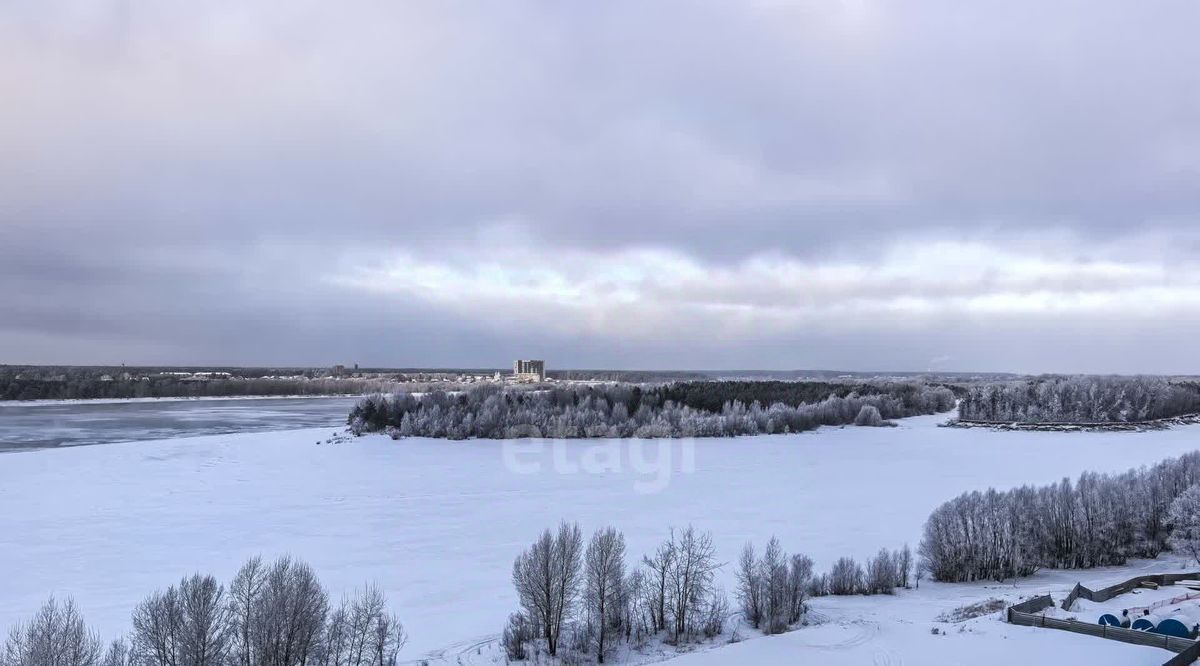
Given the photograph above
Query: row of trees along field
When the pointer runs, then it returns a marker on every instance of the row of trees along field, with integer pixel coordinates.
(271, 615)
(622, 410)
(86, 383)
(578, 600)
(1083, 399)
(1098, 520)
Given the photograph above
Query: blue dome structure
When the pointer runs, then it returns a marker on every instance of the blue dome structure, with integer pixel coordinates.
(1171, 627)
(1142, 624)
(1108, 619)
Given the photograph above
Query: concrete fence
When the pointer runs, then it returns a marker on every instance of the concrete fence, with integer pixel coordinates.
(1103, 631)
(1028, 613)
(1104, 594)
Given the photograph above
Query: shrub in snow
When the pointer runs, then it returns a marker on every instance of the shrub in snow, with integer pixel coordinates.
(869, 416)
(517, 633)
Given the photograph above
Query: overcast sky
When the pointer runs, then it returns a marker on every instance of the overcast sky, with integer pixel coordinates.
(910, 185)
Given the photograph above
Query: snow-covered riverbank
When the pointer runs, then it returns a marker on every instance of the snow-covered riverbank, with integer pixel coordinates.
(135, 401)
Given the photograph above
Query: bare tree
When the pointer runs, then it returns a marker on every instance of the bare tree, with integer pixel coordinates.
(157, 629)
(362, 633)
(658, 572)
(799, 581)
(118, 654)
(881, 574)
(1184, 518)
(604, 576)
(55, 636)
(776, 604)
(689, 582)
(547, 580)
(206, 630)
(904, 564)
(244, 594)
(773, 590)
(750, 586)
(517, 634)
(846, 577)
(288, 617)
(184, 626)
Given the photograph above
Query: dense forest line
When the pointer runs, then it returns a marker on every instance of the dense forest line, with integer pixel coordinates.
(712, 395)
(622, 410)
(1098, 520)
(1084, 399)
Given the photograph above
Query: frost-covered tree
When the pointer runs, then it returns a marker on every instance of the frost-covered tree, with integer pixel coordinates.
(118, 654)
(750, 586)
(55, 636)
(186, 625)
(547, 578)
(623, 411)
(519, 631)
(869, 416)
(604, 578)
(361, 632)
(799, 580)
(881, 574)
(772, 590)
(288, 615)
(1080, 399)
(903, 559)
(1096, 520)
(690, 581)
(846, 577)
(1184, 518)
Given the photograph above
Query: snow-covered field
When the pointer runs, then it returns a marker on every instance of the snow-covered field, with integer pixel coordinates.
(438, 523)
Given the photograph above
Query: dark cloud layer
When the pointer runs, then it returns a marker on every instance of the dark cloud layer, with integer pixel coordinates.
(391, 182)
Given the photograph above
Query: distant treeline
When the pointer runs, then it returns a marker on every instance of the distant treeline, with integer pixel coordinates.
(712, 395)
(710, 409)
(81, 388)
(1085, 399)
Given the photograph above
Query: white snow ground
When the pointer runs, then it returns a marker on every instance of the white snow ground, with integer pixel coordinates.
(437, 523)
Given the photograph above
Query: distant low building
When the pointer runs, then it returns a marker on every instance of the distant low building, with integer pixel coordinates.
(529, 370)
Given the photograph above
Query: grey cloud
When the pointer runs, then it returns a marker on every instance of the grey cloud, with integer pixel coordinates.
(176, 174)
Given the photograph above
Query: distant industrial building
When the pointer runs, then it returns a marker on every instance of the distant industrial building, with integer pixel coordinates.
(529, 371)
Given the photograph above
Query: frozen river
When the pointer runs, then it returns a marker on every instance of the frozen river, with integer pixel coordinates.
(32, 425)
(436, 524)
